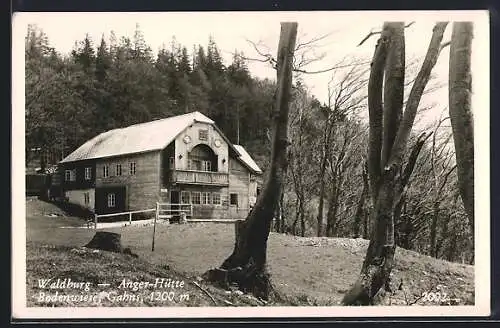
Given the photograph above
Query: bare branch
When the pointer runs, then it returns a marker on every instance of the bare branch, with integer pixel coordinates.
(205, 291)
(331, 68)
(312, 41)
(368, 36)
(380, 32)
(409, 24)
(444, 45)
(268, 56)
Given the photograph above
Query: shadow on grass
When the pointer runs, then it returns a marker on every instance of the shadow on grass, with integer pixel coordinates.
(72, 209)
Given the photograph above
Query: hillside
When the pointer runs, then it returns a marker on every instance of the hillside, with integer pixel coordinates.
(305, 271)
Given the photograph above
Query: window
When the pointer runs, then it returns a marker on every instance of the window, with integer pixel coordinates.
(118, 169)
(86, 198)
(194, 164)
(185, 197)
(88, 173)
(216, 198)
(206, 166)
(205, 198)
(196, 197)
(111, 200)
(203, 135)
(171, 162)
(105, 171)
(132, 168)
(70, 175)
(233, 199)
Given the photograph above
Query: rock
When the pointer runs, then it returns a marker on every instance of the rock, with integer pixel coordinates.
(106, 241)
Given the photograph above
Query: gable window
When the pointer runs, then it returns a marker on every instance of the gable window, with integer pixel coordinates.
(205, 198)
(233, 199)
(216, 198)
(88, 173)
(105, 171)
(118, 169)
(132, 168)
(86, 198)
(196, 197)
(70, 175)
(111, 200)
(203, 135)
(185, 197)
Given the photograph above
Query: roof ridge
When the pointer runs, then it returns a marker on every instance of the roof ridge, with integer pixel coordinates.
(157, 120)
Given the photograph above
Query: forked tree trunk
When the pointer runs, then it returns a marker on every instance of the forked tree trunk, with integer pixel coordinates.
(388, 138)
(460, 90)
(246, 266)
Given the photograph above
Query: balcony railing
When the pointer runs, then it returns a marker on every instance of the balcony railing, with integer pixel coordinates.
(200, 177)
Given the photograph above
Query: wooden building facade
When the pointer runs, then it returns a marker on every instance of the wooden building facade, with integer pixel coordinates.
(180, 160)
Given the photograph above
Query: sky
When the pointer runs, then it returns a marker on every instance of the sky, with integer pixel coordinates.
(232, 30)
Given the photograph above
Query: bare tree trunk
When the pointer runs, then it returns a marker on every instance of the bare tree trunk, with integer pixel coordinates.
(302, 221)
(321, 196)
(433, 230)
(460, 89)
(366, 231)
(246, 266)
(361, 204)
(279, 215)
(283, 225)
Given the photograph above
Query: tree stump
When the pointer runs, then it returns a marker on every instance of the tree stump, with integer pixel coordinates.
(106, 241)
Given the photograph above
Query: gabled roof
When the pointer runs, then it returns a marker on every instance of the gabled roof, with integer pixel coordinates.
(149, 136)
(143, 137)
(247, 159)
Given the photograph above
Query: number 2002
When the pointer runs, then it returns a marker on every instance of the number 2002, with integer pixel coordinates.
(435, 297)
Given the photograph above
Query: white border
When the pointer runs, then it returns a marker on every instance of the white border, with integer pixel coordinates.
(482, 206)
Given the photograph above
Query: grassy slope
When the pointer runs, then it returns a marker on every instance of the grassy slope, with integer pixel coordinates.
(306, 271)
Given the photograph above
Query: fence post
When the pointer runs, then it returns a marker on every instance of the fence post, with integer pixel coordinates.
(154, 226)
(130, 218)
(95, 221)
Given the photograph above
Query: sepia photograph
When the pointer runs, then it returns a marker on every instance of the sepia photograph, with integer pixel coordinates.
(250, 164)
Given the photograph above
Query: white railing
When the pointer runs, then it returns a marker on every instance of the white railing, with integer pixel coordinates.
(129, 213)
(167, 210)
(203, 177)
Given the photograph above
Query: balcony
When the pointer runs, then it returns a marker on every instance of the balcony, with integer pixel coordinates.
(200, 177)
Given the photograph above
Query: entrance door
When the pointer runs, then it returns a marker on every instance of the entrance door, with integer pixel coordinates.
(174, 199)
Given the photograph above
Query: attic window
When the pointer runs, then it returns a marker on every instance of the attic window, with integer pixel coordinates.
(203, 135)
